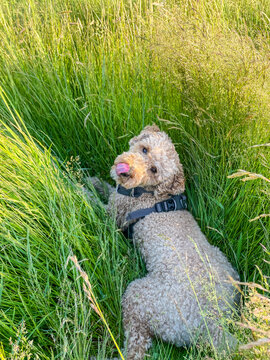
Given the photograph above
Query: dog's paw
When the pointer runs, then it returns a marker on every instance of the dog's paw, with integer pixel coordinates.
(100, 186)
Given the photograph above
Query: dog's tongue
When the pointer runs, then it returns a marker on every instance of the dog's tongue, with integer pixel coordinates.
(122, 168)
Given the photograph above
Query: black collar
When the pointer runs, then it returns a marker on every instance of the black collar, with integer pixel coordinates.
(134, 192)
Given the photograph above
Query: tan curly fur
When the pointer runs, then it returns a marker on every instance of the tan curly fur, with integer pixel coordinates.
(187, 289)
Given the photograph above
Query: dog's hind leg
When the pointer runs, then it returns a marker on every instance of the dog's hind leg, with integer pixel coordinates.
(138, 337)
(136, 320)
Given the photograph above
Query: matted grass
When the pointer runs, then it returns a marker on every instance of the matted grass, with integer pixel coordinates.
(86, 76)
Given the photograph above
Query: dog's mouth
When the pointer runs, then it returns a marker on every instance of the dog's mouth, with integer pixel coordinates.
(126, 175)
(122, 169)
(122, 173)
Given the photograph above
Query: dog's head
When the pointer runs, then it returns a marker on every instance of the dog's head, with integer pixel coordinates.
(151, 161)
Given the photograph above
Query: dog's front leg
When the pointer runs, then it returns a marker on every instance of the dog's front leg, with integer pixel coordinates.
(102, 187)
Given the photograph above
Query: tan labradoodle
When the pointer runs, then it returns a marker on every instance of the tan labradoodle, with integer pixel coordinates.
(187, 292)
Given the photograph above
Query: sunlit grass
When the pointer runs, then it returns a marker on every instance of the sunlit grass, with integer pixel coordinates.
(45, 218)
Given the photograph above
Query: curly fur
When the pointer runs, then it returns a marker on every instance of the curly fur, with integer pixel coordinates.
(187, 289)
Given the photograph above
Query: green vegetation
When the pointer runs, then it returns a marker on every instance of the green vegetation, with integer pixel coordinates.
(85, 76)
(44, 220)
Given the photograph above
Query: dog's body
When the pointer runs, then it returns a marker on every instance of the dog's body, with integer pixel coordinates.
(187, 290)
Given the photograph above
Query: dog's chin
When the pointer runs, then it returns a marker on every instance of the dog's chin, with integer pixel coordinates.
(127, 182)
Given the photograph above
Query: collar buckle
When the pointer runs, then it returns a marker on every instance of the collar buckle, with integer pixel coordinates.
(135, 192)
(166, 205)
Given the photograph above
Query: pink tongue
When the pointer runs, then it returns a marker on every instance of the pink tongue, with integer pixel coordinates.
(122, 168)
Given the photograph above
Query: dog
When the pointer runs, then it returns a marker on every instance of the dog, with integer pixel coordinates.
(187, 291)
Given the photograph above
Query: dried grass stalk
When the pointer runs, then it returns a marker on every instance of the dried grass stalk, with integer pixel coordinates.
(87, 287)
(249, 176)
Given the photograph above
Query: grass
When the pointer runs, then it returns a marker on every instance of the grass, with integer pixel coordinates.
(86, 76)
(45, 219)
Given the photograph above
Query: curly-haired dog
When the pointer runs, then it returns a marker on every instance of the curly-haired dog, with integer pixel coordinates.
(187, 290)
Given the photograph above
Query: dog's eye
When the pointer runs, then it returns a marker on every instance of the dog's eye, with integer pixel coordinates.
(153, 169)
(144, 150)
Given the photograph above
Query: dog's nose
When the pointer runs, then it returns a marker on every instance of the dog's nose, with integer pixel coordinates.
(122, 168)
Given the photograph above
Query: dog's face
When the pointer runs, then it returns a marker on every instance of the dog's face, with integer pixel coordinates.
(150, 161)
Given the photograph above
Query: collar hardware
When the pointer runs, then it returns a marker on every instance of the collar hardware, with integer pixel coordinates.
(167, 205)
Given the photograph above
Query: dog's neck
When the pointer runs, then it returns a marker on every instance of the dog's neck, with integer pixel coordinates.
(133, 192)
(125, 202)
(138, 191)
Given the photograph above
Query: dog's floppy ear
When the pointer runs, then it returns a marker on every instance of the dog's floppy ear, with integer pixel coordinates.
(149, 129)
(175, 184)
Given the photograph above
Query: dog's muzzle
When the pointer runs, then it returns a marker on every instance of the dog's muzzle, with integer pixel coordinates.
(122, 169)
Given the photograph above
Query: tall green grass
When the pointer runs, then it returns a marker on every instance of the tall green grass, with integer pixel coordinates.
(86, 76)
(45, 218)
